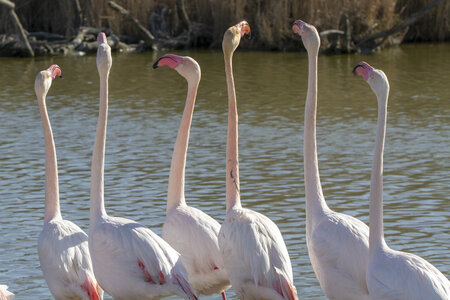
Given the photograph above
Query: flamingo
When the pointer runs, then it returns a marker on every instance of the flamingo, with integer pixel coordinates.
(392, 274)
(62, 245)
(129, 260)
(338, 244)
(254, 253)
(187, 229)
(5, 294)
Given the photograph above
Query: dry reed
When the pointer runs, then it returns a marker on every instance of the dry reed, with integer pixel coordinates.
(270, 19)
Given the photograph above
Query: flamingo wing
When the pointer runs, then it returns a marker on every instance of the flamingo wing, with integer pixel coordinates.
(255, 255)
(338, 247)
(65, 260)
(194, 234)
(165, 261)
(400, 275)
(130, 257)
(4, 293)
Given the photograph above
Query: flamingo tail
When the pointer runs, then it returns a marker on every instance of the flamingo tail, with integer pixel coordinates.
(285, 288)
(91, 288)
(186, 287)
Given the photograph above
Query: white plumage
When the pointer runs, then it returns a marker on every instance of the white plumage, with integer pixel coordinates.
(65, 261)
(391, 274)
(253, 250)
(194, 234)
(132, 262)
(62, 245)
(187, 229)
(338, 250)
(399, 275)
(338, 244)
(5, 294)
(129, 260)
(255, 256)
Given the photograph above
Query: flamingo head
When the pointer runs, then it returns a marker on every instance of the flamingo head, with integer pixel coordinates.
(376, 79)
(309, 35)
(44, 79)
(184, 65)
(104, 60)
(233, 35)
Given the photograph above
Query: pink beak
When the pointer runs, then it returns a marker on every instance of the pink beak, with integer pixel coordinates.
(101, 38)
(170, 60)
(298, 26)
(363, 69)
(243, 28)
(54, 71)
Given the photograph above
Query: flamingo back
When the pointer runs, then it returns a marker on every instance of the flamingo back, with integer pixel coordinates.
(65, 261)
(255, 256)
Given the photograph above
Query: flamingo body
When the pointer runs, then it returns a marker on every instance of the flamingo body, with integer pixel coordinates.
(340, 270)
(194, 234)
(132, 262)
(5, 294)
(392, 274)
(129, 260)
(338, 244)
(187, 229)
(399, 275)
(252, 247)
(255, 256)
(65, 261)
(62, 245)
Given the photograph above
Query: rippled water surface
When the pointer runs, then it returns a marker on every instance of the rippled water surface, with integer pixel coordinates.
(145, 110)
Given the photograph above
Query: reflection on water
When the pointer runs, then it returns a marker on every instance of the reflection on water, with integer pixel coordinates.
(145, 110)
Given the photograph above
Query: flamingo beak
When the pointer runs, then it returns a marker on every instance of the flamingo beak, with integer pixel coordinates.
(363, 69)
(244, 29)
(297, 27)
(101, 38)
(55, 71)
(170, 60)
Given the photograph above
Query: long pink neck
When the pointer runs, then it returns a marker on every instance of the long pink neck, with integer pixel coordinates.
(98, 155)
(52, 209)
(376, 236)
(175, 196)
(315, 201)
(233, 198)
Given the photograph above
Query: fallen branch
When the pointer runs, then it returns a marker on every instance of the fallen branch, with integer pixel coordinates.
(331, 31)
(150, 38)
(386, 33)
(40, 35)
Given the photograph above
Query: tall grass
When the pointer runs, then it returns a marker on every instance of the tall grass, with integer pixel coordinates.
(270, 20)
(435, 26)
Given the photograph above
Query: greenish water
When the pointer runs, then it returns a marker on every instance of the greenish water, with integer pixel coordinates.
(145, 110)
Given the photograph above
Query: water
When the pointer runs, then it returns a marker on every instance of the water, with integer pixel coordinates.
(145, 110)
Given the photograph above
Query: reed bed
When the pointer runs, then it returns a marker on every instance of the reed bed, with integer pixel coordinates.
(270, 20)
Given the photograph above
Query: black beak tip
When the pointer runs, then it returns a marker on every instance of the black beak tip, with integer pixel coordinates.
(356, 67)
(155, 65)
